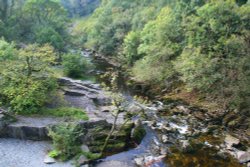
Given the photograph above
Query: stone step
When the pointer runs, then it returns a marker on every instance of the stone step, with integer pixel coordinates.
(36, 128)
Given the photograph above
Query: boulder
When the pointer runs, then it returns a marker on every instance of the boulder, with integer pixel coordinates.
(82, 160)
(5, 120)
(85, 148)
(101, 100)
(49, 160)
(107, 108)
(231, 141)
(138, 133)
(148, 160)
(139, 161)
(163, 150)
(133, 108)
(164, 138)
(244, 158)
(184, 109)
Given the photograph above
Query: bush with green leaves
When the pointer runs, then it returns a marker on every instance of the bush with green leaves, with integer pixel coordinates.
(7, 50)
(26, 77)
(216, 58)
(74, 65)
(65, 139)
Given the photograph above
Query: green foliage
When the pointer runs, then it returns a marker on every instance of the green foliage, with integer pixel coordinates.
(161, 43)
(91, 156)
(26, 77)
(49, 35)
(54, 154)
(65, 140)
(68, 112)
(27, 96)
(33, 21)
(107, 27)
(204, 44)
(7, 51)
(215, 57)
(131, 43)
(74, 65)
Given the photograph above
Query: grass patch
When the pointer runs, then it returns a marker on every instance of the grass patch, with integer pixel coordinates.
(70, 112)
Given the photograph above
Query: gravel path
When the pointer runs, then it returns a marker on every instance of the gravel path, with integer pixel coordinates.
(25, 153)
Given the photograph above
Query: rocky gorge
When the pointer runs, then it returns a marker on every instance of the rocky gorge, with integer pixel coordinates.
(159, 133)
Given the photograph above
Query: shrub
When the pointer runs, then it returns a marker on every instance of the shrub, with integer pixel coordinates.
(26, 77)
(65, 140)
(74, 65)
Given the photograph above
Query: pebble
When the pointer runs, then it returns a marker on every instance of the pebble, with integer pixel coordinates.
(164, 138)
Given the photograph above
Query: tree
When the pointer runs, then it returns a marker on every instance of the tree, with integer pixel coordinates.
(74, 65)
(39, 21)
(216, 57)
(161, 43)
(26, 77)
(49, 35)
(131, 43)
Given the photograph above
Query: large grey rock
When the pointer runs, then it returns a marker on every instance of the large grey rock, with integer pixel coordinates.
(244, 158)
(231, 141)
(107, 108)
(5, 120)
(147, 160)
(139, 161)
(31, 128)
(133, 108)
(85, 148)
(36, 128)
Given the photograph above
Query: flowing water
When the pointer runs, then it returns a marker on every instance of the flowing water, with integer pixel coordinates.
(152, 144)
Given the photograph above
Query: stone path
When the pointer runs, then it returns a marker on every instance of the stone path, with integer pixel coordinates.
(90, 97)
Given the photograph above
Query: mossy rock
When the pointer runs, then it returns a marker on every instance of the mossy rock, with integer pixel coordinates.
(5, 119)
(111, 148)
(138, 134)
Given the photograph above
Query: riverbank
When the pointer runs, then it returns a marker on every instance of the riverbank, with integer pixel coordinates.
(205, 119)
